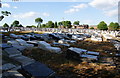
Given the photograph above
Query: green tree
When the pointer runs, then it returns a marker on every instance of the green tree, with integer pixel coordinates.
(6, 25)
(33, 26)
(20, 25)
(102, 26)
(67, 24)
(60, 23)
(15, 23)
(43, 26)
(91, 27)
(76, 23)
(113, 26)
(55, 26)
(4, 13)
(39, 21)
(50, 24)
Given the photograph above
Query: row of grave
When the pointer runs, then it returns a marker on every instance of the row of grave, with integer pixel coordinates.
(21, 44)
(28, 67)
(58, 30)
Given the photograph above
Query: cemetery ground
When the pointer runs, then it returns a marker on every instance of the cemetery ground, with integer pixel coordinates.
(71, 68)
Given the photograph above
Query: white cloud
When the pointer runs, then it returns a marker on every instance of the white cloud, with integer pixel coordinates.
(71, 10)
(104, 4)
(6, 5)
(76, 8)
(46, 14)
(111, 13)
(25, 15)
(80, 6)
(15, 7)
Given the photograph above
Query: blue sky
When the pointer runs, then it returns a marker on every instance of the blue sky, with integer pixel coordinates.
(91, 12)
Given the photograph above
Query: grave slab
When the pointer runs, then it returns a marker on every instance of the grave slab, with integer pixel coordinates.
(38, 70)
(7, 66)
(12, 52)
(23, 60)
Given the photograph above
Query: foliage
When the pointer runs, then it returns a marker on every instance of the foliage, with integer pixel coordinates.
(4, 13)
(39, 21)
(76, 23)
(55, 26)
(102, 26)
(91, 27)
(113, 26)
(66, 24)
(43, 26)
(5, 25)
(50, 24)
(33, 26)
(20, 25)
(15, 23)
(60, 23)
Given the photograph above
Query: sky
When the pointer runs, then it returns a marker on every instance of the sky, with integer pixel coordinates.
(87, 12)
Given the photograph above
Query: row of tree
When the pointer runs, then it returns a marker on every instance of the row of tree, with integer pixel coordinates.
(112, 26)
(50, 24)
(14, 24)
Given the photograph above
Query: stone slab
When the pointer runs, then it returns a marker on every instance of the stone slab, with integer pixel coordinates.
(7, 66)
(23, 60)
(12, 52)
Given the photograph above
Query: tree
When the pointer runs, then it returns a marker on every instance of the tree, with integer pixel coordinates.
(60, 23)
(39, 21)
(6, 25)
(50, 24)
(67, 24)
(55, 26)
(113, 26)
(91, 27)
(43, 26)
(102, 26)
(76, 23)
(4, 13)
(20, 25)
(15, 23)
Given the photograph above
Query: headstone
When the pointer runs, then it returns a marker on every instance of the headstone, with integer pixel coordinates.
(38, 70)
(45, 46)
(12, 52)
(90, 57)
(93, 53)
(7, 66)
(77, 50)
(23, 60)
(5, 45)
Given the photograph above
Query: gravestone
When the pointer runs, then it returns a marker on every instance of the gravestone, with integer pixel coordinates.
(7, 66)
(12, 52)
(23, 60)
(38, 70)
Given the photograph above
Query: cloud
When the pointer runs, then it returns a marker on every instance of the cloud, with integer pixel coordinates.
(111, 13)
(25, 15)
(71, 10)
(80, 6)
(46, 14)
(6, 5)
(76, 8)
(104, 4)
(15, 7)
